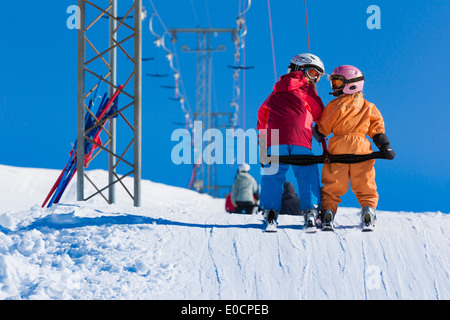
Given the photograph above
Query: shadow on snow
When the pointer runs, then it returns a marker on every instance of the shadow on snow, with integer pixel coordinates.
(70, 221)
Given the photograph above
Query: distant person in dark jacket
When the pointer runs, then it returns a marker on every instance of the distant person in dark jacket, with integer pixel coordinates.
(290, 203)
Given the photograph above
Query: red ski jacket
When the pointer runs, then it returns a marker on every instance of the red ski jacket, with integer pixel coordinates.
(291, 108)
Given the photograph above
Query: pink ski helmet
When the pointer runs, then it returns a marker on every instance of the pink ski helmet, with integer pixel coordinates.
(346, 79)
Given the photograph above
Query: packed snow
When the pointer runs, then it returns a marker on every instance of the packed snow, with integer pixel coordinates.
(183, 245)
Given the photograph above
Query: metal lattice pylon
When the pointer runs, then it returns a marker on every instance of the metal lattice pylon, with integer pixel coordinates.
(97, 60)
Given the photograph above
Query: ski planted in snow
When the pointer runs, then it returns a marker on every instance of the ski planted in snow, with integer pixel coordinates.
(107, 109)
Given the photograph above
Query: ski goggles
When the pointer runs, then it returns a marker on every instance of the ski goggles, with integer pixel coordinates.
(313, 74)
(338, 82)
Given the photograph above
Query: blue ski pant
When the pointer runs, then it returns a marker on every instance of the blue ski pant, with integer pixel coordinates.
(308, 181)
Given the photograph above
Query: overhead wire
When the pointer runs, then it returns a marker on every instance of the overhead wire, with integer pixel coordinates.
(271, 39)
(207, 14)
(307, 31)
(195, 13)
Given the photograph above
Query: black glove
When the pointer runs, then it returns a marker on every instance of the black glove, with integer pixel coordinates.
(317, 135)
(382, 142)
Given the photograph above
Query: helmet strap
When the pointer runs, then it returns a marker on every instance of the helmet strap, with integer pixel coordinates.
(293, 67)
(337, 93)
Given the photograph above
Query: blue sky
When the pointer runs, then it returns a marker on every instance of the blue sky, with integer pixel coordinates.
(404, 63)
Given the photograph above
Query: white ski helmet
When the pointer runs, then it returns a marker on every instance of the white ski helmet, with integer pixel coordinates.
(304, 60)
(244, 167)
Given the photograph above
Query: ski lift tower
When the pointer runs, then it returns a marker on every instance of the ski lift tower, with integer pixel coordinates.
(98, 42)
(205, 175)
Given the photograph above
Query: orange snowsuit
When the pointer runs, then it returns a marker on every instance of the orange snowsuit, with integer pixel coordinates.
(350, 118)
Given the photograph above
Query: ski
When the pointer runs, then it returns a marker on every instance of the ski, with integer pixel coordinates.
(367, 227)
(327, 228)
(311, 229)
(93, 127)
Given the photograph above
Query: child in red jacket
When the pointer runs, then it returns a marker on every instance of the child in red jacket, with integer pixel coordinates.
(290, 110)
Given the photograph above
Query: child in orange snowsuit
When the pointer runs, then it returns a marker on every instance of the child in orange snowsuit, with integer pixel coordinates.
(350, 118)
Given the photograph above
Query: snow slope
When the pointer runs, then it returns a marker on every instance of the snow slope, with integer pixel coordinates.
(182, 245)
